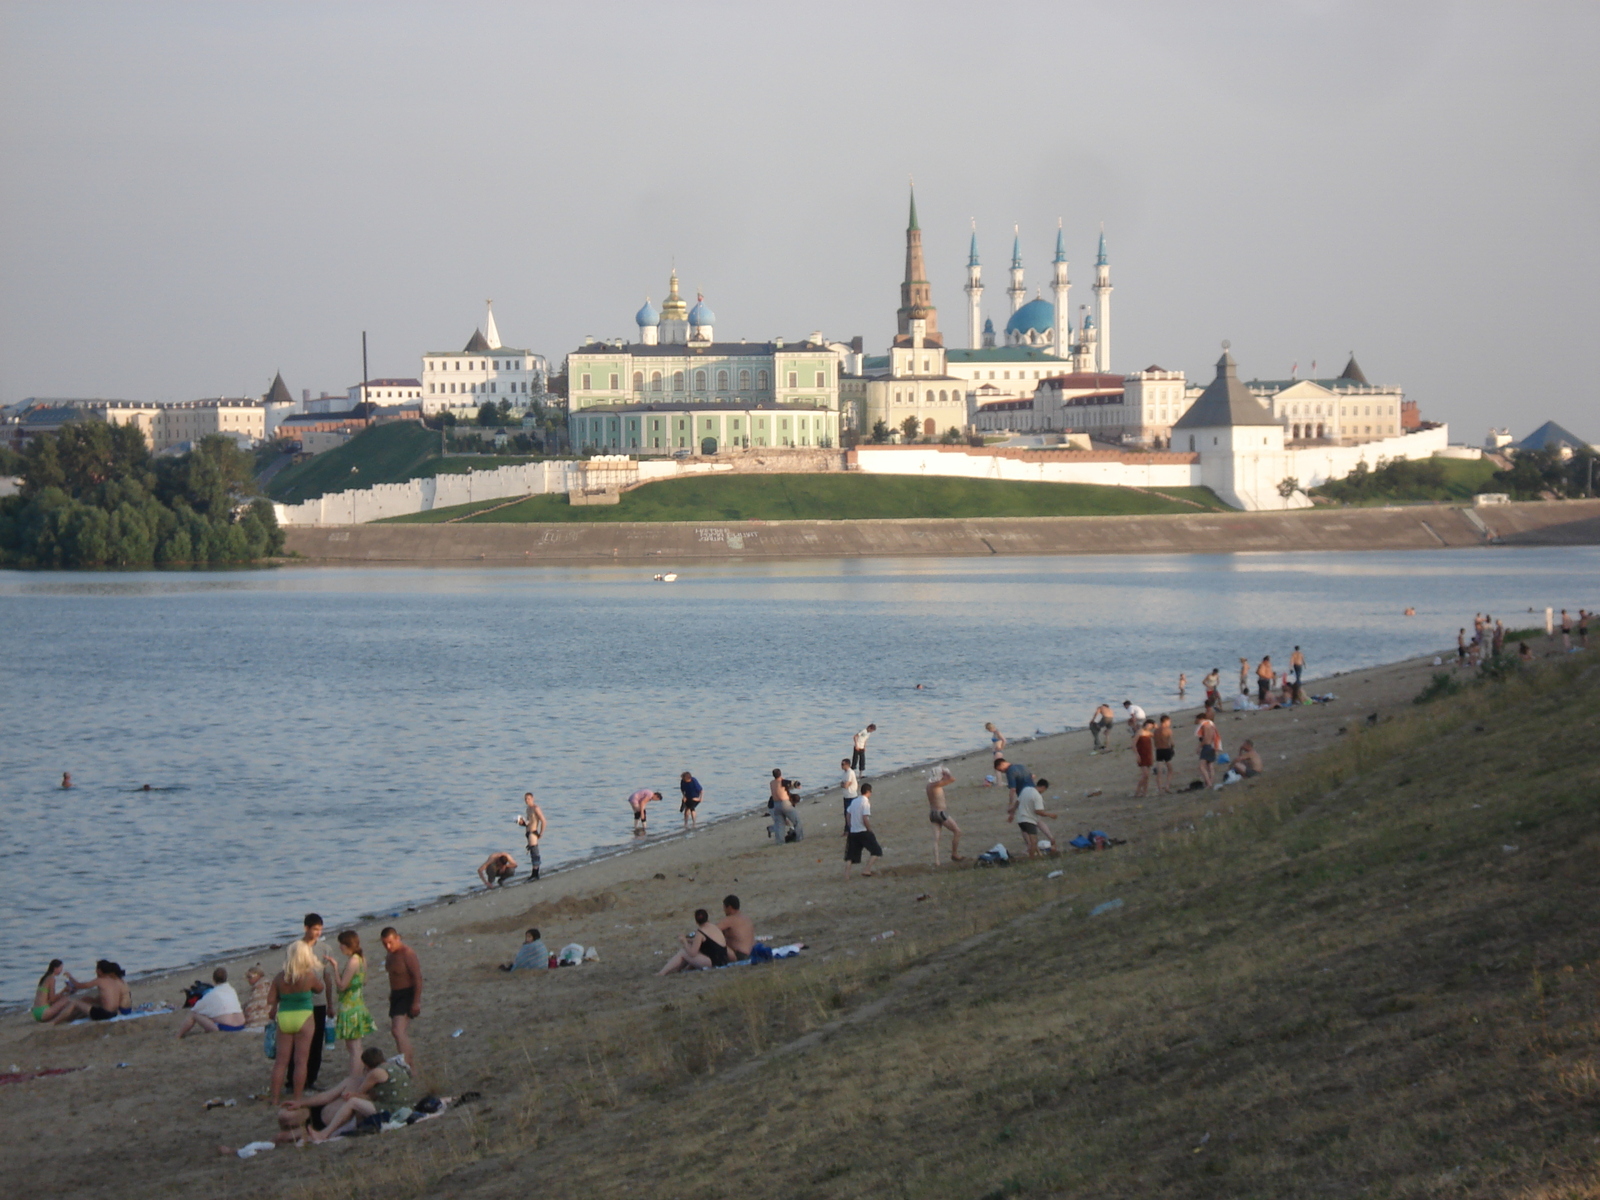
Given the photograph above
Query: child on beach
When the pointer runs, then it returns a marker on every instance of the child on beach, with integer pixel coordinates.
(997, 740)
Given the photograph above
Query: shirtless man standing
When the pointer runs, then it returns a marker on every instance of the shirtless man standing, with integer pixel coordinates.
(405, 990)
(1100, 726)
(737, 928)
(939, 818)
(533, 821)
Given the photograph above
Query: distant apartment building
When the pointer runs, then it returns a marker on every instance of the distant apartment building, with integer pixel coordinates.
(163, 425)
(388, 392)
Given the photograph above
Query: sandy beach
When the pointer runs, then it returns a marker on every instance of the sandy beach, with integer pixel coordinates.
(135, 1113)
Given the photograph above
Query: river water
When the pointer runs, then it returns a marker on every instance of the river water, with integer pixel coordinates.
(351, 740)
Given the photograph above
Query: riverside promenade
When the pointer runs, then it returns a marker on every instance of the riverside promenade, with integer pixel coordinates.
(1412, 527)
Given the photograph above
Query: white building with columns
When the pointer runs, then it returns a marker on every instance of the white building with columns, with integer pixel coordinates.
(461, 381)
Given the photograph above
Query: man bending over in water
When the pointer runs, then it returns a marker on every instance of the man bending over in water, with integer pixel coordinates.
(405, 990)
(533, 821)
(939, 818)
(737, 928)
(497, 868)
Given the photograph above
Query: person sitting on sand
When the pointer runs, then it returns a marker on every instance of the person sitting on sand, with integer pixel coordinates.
(45, 995)
(1247, 761)
(108, 996)
(387, 1086)
(497, 868)
(737, 928)
(707, 947)
(257, 1009)
(218, 1011)
(532, 955)
(1523, 653)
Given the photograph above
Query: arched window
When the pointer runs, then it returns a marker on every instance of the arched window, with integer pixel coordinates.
(638, 381)
(930, 395)
(722, 381)
(677, 381)
(744, 380)
(761, 381)
(699, 381)
(944, 397)
(929, 428)
(655, 381)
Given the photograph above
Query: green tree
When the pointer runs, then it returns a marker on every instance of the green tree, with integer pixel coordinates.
(486, 414)
(880, 432)
(908, 429)
(1288, 486)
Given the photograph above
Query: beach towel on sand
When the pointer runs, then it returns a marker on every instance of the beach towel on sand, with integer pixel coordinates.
(152, 1009)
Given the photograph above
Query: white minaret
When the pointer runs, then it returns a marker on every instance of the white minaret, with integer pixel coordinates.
(1017, 292)
(1060, 287)
(1102, 304)
(490, 333)
(974, 292)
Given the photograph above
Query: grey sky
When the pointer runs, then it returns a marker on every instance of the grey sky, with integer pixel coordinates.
(197, 195)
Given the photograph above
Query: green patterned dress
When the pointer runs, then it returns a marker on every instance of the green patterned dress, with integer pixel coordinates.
(353, 1021)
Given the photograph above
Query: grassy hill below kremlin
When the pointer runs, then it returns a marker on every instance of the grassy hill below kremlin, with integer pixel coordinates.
(389, 453)
(837, 497)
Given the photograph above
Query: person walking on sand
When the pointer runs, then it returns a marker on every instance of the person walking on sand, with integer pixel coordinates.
(1211, 683)
(1210, 741)
(1100, 727)
(354, 1020)
(1264, 675)
(691, 791)
(1165, 750)
(639, 801)
(1297, 664)
(1026, 810)
(1461, 647)
(405, 991)
(858, 747)
(858, 836)
(532, 821)
(1145, 753)
(939, 818)
(294, 994)
(997, 740)
(784, 814)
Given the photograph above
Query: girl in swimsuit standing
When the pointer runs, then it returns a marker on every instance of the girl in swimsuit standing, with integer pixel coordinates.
(293, 996)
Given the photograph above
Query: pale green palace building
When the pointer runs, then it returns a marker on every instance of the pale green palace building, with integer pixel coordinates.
(677, 389)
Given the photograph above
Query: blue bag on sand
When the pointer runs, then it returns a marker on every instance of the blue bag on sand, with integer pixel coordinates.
(269, 1041)
(1223, 759)
(760, 952)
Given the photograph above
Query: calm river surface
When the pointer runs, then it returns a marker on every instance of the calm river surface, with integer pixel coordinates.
(351, 740)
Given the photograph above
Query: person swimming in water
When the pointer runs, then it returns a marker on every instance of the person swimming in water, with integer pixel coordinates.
(66, 779)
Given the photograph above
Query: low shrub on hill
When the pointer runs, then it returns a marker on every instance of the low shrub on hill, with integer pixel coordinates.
(92, 496)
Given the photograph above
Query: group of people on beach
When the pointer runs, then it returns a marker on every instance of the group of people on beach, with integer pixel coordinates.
(1488, 638)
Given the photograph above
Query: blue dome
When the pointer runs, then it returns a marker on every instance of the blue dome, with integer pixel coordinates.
(1036, 316)
(648, 315)
(701, 314)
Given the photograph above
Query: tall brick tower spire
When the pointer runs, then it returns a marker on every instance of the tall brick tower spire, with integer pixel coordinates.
(915, 293)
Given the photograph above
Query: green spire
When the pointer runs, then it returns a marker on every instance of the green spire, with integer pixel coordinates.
(914, 224)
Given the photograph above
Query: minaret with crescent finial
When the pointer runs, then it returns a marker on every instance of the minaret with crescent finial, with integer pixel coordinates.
(1060, 290)
(1102, 304)
(974, 290)
(1018, 291)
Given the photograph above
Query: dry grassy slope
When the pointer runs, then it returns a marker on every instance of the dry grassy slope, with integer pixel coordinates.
(1342, 984)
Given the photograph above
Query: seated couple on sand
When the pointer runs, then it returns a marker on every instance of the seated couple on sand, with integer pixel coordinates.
(378, 1085)
(730, 940)
(107, 997)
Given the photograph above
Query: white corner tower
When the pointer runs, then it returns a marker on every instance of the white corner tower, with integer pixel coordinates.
(1060, 287)
(974, 290)
(1102, 305)
(1017, 291)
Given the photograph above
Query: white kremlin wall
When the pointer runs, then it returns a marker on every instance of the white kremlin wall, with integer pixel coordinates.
(1310, 466)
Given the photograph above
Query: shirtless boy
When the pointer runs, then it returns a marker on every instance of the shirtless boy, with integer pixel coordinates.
(533, 821)
(737, 928)
(405, 990)
(939, 818)
(497, 868)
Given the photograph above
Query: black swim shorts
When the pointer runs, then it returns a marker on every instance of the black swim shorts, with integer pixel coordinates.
(1029, 828)
(1164, 755)
(100, 1014)
(938, 816)
(400, 1002)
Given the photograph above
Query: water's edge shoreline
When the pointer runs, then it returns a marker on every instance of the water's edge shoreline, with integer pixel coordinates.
(401, 909)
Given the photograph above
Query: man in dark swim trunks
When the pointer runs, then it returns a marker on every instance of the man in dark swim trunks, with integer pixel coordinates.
(692, 793)
(532, 820)
(737, 928)
(405, 991)
(939, 818)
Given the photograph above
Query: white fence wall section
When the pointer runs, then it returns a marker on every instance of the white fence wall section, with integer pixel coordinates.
(1132, 470)
(1311, 466)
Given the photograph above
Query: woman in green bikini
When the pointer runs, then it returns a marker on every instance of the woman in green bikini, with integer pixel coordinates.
(46, 998)
(292, 998)
(354, 1022)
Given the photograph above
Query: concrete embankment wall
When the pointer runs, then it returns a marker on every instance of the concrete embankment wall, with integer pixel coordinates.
(670, 544)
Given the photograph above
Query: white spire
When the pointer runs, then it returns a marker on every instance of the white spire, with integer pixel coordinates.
(490, 333)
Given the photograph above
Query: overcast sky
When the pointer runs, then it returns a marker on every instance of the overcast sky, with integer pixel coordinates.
(195, 196)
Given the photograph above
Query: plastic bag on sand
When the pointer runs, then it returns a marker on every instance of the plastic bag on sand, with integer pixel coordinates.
(591, 955)
(571, 955)
(253, 1149)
